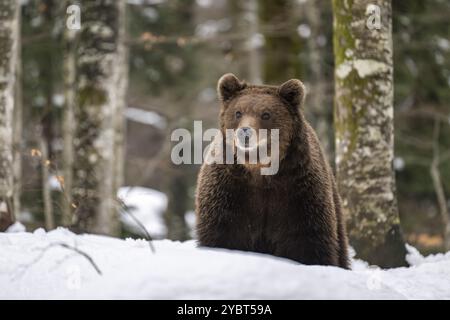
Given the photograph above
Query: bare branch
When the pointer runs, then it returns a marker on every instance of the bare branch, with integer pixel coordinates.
(84, 254)
(139, 223)
(23, 268)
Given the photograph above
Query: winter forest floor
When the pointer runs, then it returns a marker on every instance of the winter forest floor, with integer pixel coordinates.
(47, 265)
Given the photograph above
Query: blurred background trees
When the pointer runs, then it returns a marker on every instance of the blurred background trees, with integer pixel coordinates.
(421, 95)
(176, 52)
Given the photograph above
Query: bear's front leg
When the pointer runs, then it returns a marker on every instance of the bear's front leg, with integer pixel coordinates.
(310, 250)
(219, 206)
(309, 234)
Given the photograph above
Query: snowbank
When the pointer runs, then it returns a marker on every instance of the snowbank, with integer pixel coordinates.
(16, 227)
(36, 265)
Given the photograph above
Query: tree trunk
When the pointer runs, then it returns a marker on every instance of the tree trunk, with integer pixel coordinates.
(439, 186)
(282, 43)
(442, 201)
(18, 126)
(254, 56)
(177, 206)
(47, 121)
(122, 84)
(98, 104)
(68, 128)
(9, 35)
(319, 96)
(246, 50)
(364, 131)
(46, 191)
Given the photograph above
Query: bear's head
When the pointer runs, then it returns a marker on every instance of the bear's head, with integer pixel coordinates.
(248, 108)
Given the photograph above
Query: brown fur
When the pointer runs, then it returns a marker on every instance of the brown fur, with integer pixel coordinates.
(295, 214)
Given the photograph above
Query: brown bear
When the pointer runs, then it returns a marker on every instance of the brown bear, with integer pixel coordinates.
(295, 213)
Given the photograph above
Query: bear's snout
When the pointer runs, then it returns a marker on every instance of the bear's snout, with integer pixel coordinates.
(246, 131)
(246, 136)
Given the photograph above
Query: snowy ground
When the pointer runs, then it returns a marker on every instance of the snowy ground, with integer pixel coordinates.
(35, 265)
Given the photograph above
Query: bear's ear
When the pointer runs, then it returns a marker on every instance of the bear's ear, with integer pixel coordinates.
(228, 86)
(293, 92)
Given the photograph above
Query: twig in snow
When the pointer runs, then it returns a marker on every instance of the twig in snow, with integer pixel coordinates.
(148, 237)
(84, 254)
(66, 246)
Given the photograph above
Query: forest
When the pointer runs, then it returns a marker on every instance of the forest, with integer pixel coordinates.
(91, 92)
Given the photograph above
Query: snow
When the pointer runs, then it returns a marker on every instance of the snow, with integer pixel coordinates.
(16, 227)
(36, 266)
(146, 205)
(146, 117)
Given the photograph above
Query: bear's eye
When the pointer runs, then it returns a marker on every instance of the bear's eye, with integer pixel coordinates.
(265, 116)
(238, 114)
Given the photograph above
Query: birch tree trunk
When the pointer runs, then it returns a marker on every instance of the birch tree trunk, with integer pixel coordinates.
(121, 85)
(18, 125)
(98, 104)
(364, 129)
(9, 35)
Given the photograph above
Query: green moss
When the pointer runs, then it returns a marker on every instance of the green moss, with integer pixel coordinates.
(343, 38)
(91, 96)
(348, 126)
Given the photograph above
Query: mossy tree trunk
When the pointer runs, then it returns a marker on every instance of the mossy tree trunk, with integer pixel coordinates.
(9, 45)
(364, 131)
(99, 96)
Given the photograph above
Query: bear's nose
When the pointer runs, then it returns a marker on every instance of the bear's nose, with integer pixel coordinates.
(246, 131)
